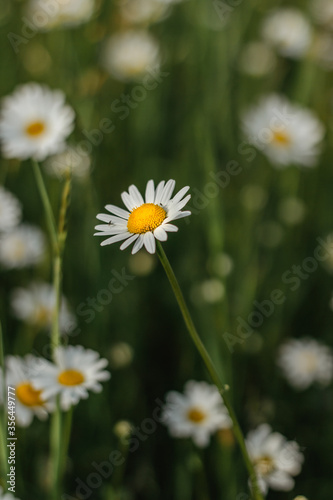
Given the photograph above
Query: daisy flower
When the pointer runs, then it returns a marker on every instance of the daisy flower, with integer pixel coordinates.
(129, 55)
(274, 458)
(143, 11)
(34, 122)
(304, 362)
(29, 401)
(286, 133)
(64, 13)
(76, 371)
(23, 246)
(322, 11)
(144, 220)
(35, 305)
(6, 496)
(10, 210)
(197, 413)
(71, 160)
(288, 31)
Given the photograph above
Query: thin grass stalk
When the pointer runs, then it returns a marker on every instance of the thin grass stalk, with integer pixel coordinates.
(3, 415)
(256, 494)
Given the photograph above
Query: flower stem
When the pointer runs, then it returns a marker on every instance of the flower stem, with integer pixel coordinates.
(210, 367)
(47, 205)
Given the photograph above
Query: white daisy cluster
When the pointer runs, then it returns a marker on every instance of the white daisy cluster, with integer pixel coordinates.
(275, 459)
(129, 55)
(35, 305)
(37, 381)
(144, 220)
(304, 362)
(61, 13)
(34, 122)
(197, 413)
(286, 133)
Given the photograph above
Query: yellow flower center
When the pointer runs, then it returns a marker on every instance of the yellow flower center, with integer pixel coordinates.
(281, 138)
(27, 395)
(264, 465)
(310, 362)
(35, 128)
(196, 415)
(145, 218)
(43, 316)
(70, 377)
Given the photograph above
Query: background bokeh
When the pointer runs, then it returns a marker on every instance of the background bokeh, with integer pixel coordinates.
(233, 250)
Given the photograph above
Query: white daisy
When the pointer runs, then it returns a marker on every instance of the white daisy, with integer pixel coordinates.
(257, 59)
(288, 31)
(129, 55)
(71, 160)
(63, 13)
(10, 210)
(285, 132)
(197, 413)
(23, 246)
(6, 496)
(143, 11)
(29, 401)
(35, 305)
(305, 361)
(34, 122)
(274, 458)
(322, 11)
(76, 371)
(145, 220)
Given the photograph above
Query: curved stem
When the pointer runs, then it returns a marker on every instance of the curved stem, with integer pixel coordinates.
(210, 367)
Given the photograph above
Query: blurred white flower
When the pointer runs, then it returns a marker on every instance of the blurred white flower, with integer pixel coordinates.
(120, 355)
(10, 210)
(34, 122)
(305, 361)
(210, 291)
(322, 11)
(22, 247)
(288, 31)
(291, 210)
(35, 305)
(146, 220)
(197, 413)
(274, 458)
(257, 59)
(6, 496)
(75, 371)
(61, 13)
(221, 264)
(129, 55)
(142, 263)
(286, 133)
(71, 160)
(253, 197)
(143, 11)
(29, 401)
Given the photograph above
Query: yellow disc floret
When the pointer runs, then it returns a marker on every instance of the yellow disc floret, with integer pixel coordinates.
(281, 138)
(34, 129)
(145, 218)
(196, 415)
(27, 395)
(70, 377)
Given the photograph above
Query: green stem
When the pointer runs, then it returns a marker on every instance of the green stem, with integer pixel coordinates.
(66, 434)
(210, 367)
(47, 205)
(55, 437)
(3, 427)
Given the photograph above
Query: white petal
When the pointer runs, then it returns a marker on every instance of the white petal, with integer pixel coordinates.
(114, 239)
(160, 234)
(159, 192)
(136, 195)
(149, 242)
(167, 192)
(128, 201)
(150, 192)
(128, 241)
(170, 228)
(117, 211)
(179, 195)
(138, 244)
